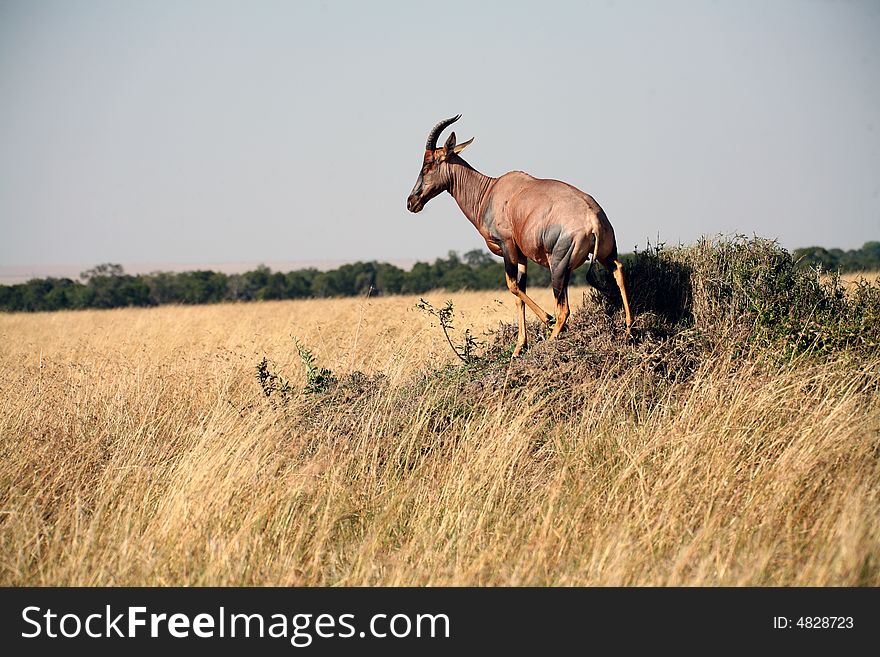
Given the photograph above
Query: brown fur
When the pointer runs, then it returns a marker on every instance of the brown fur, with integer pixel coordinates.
(524, 218)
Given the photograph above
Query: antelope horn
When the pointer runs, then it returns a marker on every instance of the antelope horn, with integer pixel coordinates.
(432, 136)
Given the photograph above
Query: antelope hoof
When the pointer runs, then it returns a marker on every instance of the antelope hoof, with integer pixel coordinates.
(518, 350)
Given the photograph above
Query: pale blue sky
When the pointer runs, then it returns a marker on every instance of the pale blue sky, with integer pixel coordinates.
(263, 131)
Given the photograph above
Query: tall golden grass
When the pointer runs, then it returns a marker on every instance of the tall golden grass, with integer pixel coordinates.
(852, 278)
(139, 449)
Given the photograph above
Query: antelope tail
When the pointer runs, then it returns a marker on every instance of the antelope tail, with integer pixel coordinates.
(592, 260)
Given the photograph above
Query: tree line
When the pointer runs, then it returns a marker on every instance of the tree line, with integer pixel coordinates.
(108, 286)
(866, 258)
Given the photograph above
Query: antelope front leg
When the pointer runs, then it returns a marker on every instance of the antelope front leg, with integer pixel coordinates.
(545, 317)
(522, 278)
(517, 271)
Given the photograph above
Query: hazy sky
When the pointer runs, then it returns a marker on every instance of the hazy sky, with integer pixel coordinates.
(182, 131)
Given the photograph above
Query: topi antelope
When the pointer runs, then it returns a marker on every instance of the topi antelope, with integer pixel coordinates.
(523, 218)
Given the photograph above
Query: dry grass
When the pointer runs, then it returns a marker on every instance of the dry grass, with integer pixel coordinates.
(852, 278)
(138, 448)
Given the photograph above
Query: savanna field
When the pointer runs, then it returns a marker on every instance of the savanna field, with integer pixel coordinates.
(734, 439)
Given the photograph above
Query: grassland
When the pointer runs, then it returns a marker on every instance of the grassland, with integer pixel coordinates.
(853, 278)
(724, 445)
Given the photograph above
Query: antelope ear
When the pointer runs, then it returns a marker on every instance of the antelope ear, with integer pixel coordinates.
(458, 149)
(450, 143)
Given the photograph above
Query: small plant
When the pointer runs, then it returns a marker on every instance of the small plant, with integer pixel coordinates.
(466, 351)
(279, 390)
(274, 386)
(318, 379)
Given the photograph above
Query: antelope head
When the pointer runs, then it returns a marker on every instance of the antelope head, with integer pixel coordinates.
(434, 176)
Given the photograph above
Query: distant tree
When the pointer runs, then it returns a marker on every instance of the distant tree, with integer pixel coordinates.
(105, 269)
(816, 256)
(420, 279)
(460, 278)
(490, 276)
(64, 293)
(353, 279)
(108, 286)
(275, 287)
(872, 250)
(299, 283)
(479, 258)
(389, 279)
(363, 282)
(163, 287)
(9, 297)
(325, 284)
(200, 286)
(236, 288)
(866, 258)
(248, 285)
(540, 276)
